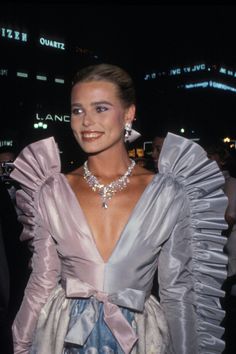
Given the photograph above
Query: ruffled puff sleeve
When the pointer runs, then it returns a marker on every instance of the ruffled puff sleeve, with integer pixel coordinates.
(33, 167)
(192, 264)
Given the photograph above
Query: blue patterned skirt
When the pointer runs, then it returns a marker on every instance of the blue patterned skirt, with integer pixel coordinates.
(101, 339)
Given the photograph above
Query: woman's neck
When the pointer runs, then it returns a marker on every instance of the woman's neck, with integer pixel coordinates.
(109, 164)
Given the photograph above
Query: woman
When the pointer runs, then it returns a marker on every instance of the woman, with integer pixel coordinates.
(100, 232)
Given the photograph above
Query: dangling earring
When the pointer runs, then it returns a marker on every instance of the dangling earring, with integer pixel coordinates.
(128, 129)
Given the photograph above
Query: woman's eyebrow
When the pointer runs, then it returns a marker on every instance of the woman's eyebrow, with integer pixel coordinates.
(101, 102)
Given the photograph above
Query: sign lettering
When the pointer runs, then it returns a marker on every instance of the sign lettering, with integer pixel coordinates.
(50, 43)
(12, 34)
(53, 118)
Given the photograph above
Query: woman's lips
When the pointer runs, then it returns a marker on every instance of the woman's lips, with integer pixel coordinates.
(91, 136)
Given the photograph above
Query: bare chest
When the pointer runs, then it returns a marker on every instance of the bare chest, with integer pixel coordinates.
(107, 224)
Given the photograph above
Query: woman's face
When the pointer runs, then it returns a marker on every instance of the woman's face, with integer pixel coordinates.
(98, 116)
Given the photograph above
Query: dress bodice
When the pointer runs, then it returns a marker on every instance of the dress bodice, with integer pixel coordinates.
(175, 225)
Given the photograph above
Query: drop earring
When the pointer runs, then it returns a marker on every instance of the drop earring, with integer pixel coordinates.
(128, 129)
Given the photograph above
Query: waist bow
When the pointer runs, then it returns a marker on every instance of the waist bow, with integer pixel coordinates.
(113, 317)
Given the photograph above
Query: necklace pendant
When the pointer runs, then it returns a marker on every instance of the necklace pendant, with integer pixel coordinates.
(104, 204)
(106, 192)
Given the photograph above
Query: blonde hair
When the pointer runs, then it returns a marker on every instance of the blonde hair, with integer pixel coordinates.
(111, 73)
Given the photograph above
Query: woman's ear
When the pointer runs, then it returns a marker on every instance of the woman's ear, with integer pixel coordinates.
(130, 114)
(130, 134)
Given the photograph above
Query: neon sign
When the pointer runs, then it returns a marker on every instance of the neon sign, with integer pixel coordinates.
(12, 34)
(3, 72)
(177, 71)
(51, 43)
(53, 118)
(213, 84)
(228, 72)
(6, 143)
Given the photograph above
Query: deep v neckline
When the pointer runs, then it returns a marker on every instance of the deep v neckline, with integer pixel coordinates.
(87, 223)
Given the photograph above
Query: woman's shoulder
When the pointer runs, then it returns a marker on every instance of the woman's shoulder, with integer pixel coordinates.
(36, 163)
(75, 176)
(180, 155)
(188, 163)
(142, 172)
(78, 171)
(142, 175)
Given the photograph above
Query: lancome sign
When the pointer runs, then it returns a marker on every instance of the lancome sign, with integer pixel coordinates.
(61, 118)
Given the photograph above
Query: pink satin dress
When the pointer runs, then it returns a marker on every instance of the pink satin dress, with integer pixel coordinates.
(176, 226)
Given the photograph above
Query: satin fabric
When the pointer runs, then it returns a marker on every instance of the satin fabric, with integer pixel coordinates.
(60, 314)
(230, 191)
(117, 323)
(176, 225)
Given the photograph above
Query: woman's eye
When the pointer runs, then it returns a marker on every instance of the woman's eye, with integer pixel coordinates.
(77, 111)
(100, 109)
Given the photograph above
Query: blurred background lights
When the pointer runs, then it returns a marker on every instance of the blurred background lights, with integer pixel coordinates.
(40, 125)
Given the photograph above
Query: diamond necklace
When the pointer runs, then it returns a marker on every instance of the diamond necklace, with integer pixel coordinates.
(106, 192)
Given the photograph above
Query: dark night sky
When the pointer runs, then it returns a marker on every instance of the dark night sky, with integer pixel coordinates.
(140, 36)
(137, 34)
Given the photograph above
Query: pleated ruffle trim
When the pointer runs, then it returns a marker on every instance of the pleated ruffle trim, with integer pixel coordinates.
(33, 167)
(202, 181)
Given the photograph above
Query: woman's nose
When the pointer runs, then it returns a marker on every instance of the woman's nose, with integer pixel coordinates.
(87, 120)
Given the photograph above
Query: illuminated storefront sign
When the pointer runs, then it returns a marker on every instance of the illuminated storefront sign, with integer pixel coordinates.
(6, 143)
(177, 71)
(187, 69)
(211, 84)
(51, 43)
(228, 72)
(3, 72)
(53, 118)
(12, 34)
